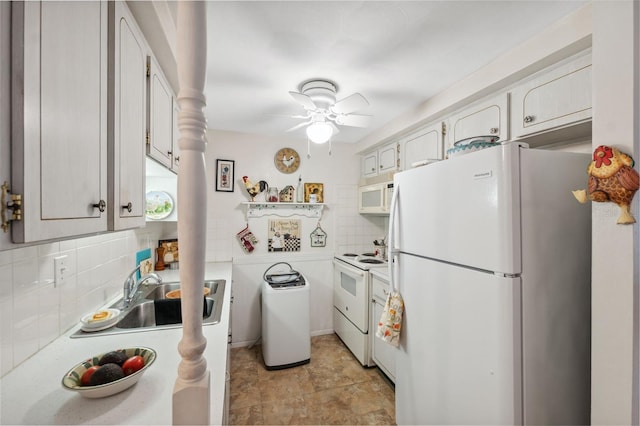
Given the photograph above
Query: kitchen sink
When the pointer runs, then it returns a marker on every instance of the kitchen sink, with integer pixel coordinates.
(152, 310)
(160, 290)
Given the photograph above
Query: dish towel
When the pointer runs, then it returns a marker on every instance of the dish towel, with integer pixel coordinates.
(391, 320)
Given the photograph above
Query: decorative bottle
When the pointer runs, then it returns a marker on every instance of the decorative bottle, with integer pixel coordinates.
(299, 194)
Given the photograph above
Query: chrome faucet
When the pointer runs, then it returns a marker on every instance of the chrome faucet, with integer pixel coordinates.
(131, 285)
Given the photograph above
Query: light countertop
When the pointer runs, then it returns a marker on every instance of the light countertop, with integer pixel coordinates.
(33, 394)
(382, 273)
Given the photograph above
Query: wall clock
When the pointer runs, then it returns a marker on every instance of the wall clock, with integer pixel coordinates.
(287, 160)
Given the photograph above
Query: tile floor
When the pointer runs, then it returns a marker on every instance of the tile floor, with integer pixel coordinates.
(332, 389)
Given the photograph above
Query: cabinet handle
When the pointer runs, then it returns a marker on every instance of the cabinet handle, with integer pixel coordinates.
(528, 118)
(100, 206)
(129, 207)
(177, 159)
(169, 153)
(494, 130)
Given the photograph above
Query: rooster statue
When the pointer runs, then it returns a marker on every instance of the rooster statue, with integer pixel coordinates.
(254, 189)
(611, 178)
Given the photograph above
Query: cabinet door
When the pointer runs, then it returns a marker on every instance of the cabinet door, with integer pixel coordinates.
(175, 151)
(5, 105)
(383, 354)
(160, 116)
(130, 99)
(59, 143)
(557, 98)
(370, 164)
(486, 118)
(423, 145)
(388, 158)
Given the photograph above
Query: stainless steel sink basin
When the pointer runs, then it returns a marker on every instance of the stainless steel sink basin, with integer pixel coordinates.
(160, 291)
(151, 299)
(142, 315)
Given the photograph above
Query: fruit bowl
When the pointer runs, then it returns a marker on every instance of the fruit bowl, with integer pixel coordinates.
(71, 380)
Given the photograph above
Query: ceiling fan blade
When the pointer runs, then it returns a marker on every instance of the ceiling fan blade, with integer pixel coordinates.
(289, 116)
(298, 126)
(354, 120)
(303, 100)
(350, 104)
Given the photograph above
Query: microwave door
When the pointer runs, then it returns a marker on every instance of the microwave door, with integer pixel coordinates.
(373, 199)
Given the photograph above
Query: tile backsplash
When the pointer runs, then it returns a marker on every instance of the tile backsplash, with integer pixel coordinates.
(34, 310)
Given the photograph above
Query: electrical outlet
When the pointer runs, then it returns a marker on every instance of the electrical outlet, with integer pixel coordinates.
(59, 270)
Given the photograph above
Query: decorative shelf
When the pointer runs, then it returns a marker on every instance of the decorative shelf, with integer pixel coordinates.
(259, 209)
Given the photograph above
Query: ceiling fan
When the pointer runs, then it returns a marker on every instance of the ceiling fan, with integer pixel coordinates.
(323, 113)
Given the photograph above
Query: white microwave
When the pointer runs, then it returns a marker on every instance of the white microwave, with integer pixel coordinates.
(375, 198)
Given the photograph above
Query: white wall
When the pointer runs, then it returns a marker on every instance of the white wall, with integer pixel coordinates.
(346, 229)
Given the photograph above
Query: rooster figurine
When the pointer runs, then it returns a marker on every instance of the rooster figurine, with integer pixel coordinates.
(254, 189)
(611, 178)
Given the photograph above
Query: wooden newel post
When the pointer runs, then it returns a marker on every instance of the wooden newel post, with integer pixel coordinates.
(191, 392)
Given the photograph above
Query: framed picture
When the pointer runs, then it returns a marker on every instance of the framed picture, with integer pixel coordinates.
(170, 250)
(316, 189)
(284, 235)
(224, 175)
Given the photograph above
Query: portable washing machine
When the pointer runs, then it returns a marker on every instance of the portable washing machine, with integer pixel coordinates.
(286, 328)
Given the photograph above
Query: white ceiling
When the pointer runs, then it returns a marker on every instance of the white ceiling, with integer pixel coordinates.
(395, 53)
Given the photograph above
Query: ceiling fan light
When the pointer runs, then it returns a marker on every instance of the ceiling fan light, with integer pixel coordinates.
(319, 132)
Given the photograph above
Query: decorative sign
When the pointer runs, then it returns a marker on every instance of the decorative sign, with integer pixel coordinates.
(284, 235)
(170, 250)
(318, 237)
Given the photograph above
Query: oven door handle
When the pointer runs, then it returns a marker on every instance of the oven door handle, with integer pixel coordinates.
(350, 269)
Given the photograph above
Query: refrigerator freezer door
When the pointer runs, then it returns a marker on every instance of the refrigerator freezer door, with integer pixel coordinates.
(460, 346)
(479, 227)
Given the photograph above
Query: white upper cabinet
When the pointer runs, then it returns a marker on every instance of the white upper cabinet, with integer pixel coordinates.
(59, 125)
(388, 158)
(382, 160)
(161, 112)
(127, 166)
(556, 98)
(425, 144)
(486, 118)
(370, 164)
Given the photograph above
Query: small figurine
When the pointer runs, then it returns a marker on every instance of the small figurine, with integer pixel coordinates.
(254, 189)
(611, 178)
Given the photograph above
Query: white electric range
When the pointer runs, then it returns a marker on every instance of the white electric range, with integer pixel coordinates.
(352, 301)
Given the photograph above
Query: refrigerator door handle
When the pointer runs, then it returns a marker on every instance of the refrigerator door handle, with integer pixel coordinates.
(393, 249)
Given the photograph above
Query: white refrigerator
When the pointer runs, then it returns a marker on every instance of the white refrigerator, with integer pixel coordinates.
(491, 253)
